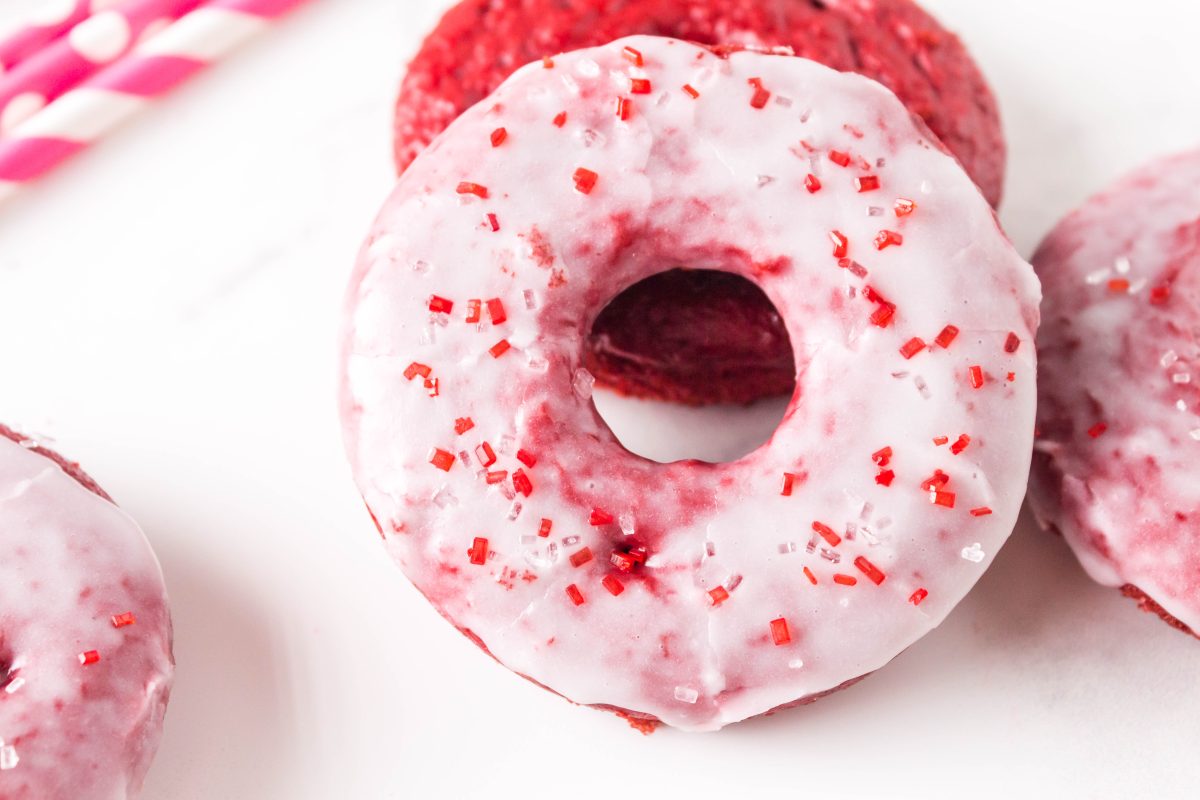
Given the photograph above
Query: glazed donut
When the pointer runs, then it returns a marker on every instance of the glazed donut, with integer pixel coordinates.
(85, 642)
(1115, 464)
(696, 337)
(688, 593)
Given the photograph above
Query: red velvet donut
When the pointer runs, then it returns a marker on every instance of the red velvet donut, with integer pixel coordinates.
(699, 337)
(85, 635)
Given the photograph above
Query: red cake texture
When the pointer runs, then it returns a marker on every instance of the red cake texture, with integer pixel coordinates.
(664, 341)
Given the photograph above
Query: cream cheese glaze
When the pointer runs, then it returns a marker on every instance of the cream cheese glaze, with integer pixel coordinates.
(85, 636)
(689, 593)
(1116, 463)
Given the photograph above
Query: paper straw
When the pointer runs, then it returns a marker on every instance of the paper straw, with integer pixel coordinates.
(51, 20)
(64, 63)
(108, 98)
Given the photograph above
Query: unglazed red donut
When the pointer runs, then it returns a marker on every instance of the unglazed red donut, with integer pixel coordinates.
(697, 337)
(688, 593)
(85, 635)
(1117, 460)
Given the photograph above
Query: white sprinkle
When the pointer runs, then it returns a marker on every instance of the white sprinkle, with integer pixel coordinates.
(811, 547)
(441, 320)
(851, 531)
(765, 180)
(874, 211)
(1122, 265)
(506, 444)
(507, 491)
(587, 68)
(1099, 276)
(8, 757)
(571, 84)
(710, 549)
(867, 510)
(514, 510)
(663, 100)
(1195, 434)
(530, 299)
(14, 685)
(974, 553)
(869, 535)
(796, 663)
(784, 101)
(1168, 358)
(883, 522)
(922, 387)
(734, 582)
(627, 523)
(831, 556)
(787, 547)
(528, 539)
(880, 162)
(591, 138)
(582, 383)
(570, 541)
(1180, 405)
(465, 457)
(1137, 286)
(686, 695)
(806, 116)
(1181, 377)
(427, 335)
(536, 362)
(926, 187)
(444, 498)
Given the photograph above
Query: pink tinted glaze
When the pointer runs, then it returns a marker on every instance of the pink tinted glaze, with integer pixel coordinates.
(72, 561)
(710, 183)
(1115, 469)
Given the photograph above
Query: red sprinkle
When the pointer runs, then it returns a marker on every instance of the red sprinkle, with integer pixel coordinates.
(493, 222)
(938, 441)
(935, 481)
(442, 459)
(687, 87)
(887, 238)
(904, 207)
(761, 95)
(975, 373)
(845, 580)
(948, 335)
(916, 597)
(885, 477)
(547, 62)
(600, 517)
(544, 528)
(521, 483)
(982, 511)
(432, 386)
(639, 86)
(808, 573)
(779, 631)
(870, 570)
(827, 533)
(121, 620)
(499, 348)
(883, 315)
(841, 245)
(1160, 295)
(498, 137)
(474, 308)
(527, 458)
(575, 595)
(463, 424)
(882, 456)
(623, 561)
(719, 595)
(416, 368)
(581, 557)
(89, 657)
(624, 108)
(485, 454)
(496, 311)
(560, 119)
(839, 158)
(497, 476)
(788, 481)
(466, 187)
(960, 444)
(1118, 286)
(940, 498)
(585, 180)
(812, 183)
(635, 56)
(912, 347)
(866, 183)
(1097, 430)
(1012, 343)
(440, 305)
(478, 551)
(614, 586)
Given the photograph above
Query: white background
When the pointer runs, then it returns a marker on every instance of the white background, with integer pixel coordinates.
(168, 308)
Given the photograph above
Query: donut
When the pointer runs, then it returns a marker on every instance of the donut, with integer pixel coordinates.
(1115, 462)
(85, 634)
(689, 594)
(715, 320)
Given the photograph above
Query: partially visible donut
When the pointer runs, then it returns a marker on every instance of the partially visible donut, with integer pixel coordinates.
(1117, 459)
(85, 635)
(689, 593)
(724, 343)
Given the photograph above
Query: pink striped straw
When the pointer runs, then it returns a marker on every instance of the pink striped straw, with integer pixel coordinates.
(112, 95)
(96, 41)
(47, 23)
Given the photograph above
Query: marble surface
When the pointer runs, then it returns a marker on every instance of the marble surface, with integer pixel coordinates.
(170, 302)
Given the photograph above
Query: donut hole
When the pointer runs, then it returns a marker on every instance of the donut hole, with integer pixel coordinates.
(691, 364)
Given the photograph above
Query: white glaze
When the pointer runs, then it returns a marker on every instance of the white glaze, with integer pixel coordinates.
(684, 175)
(71, 561)
(1120, 359)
